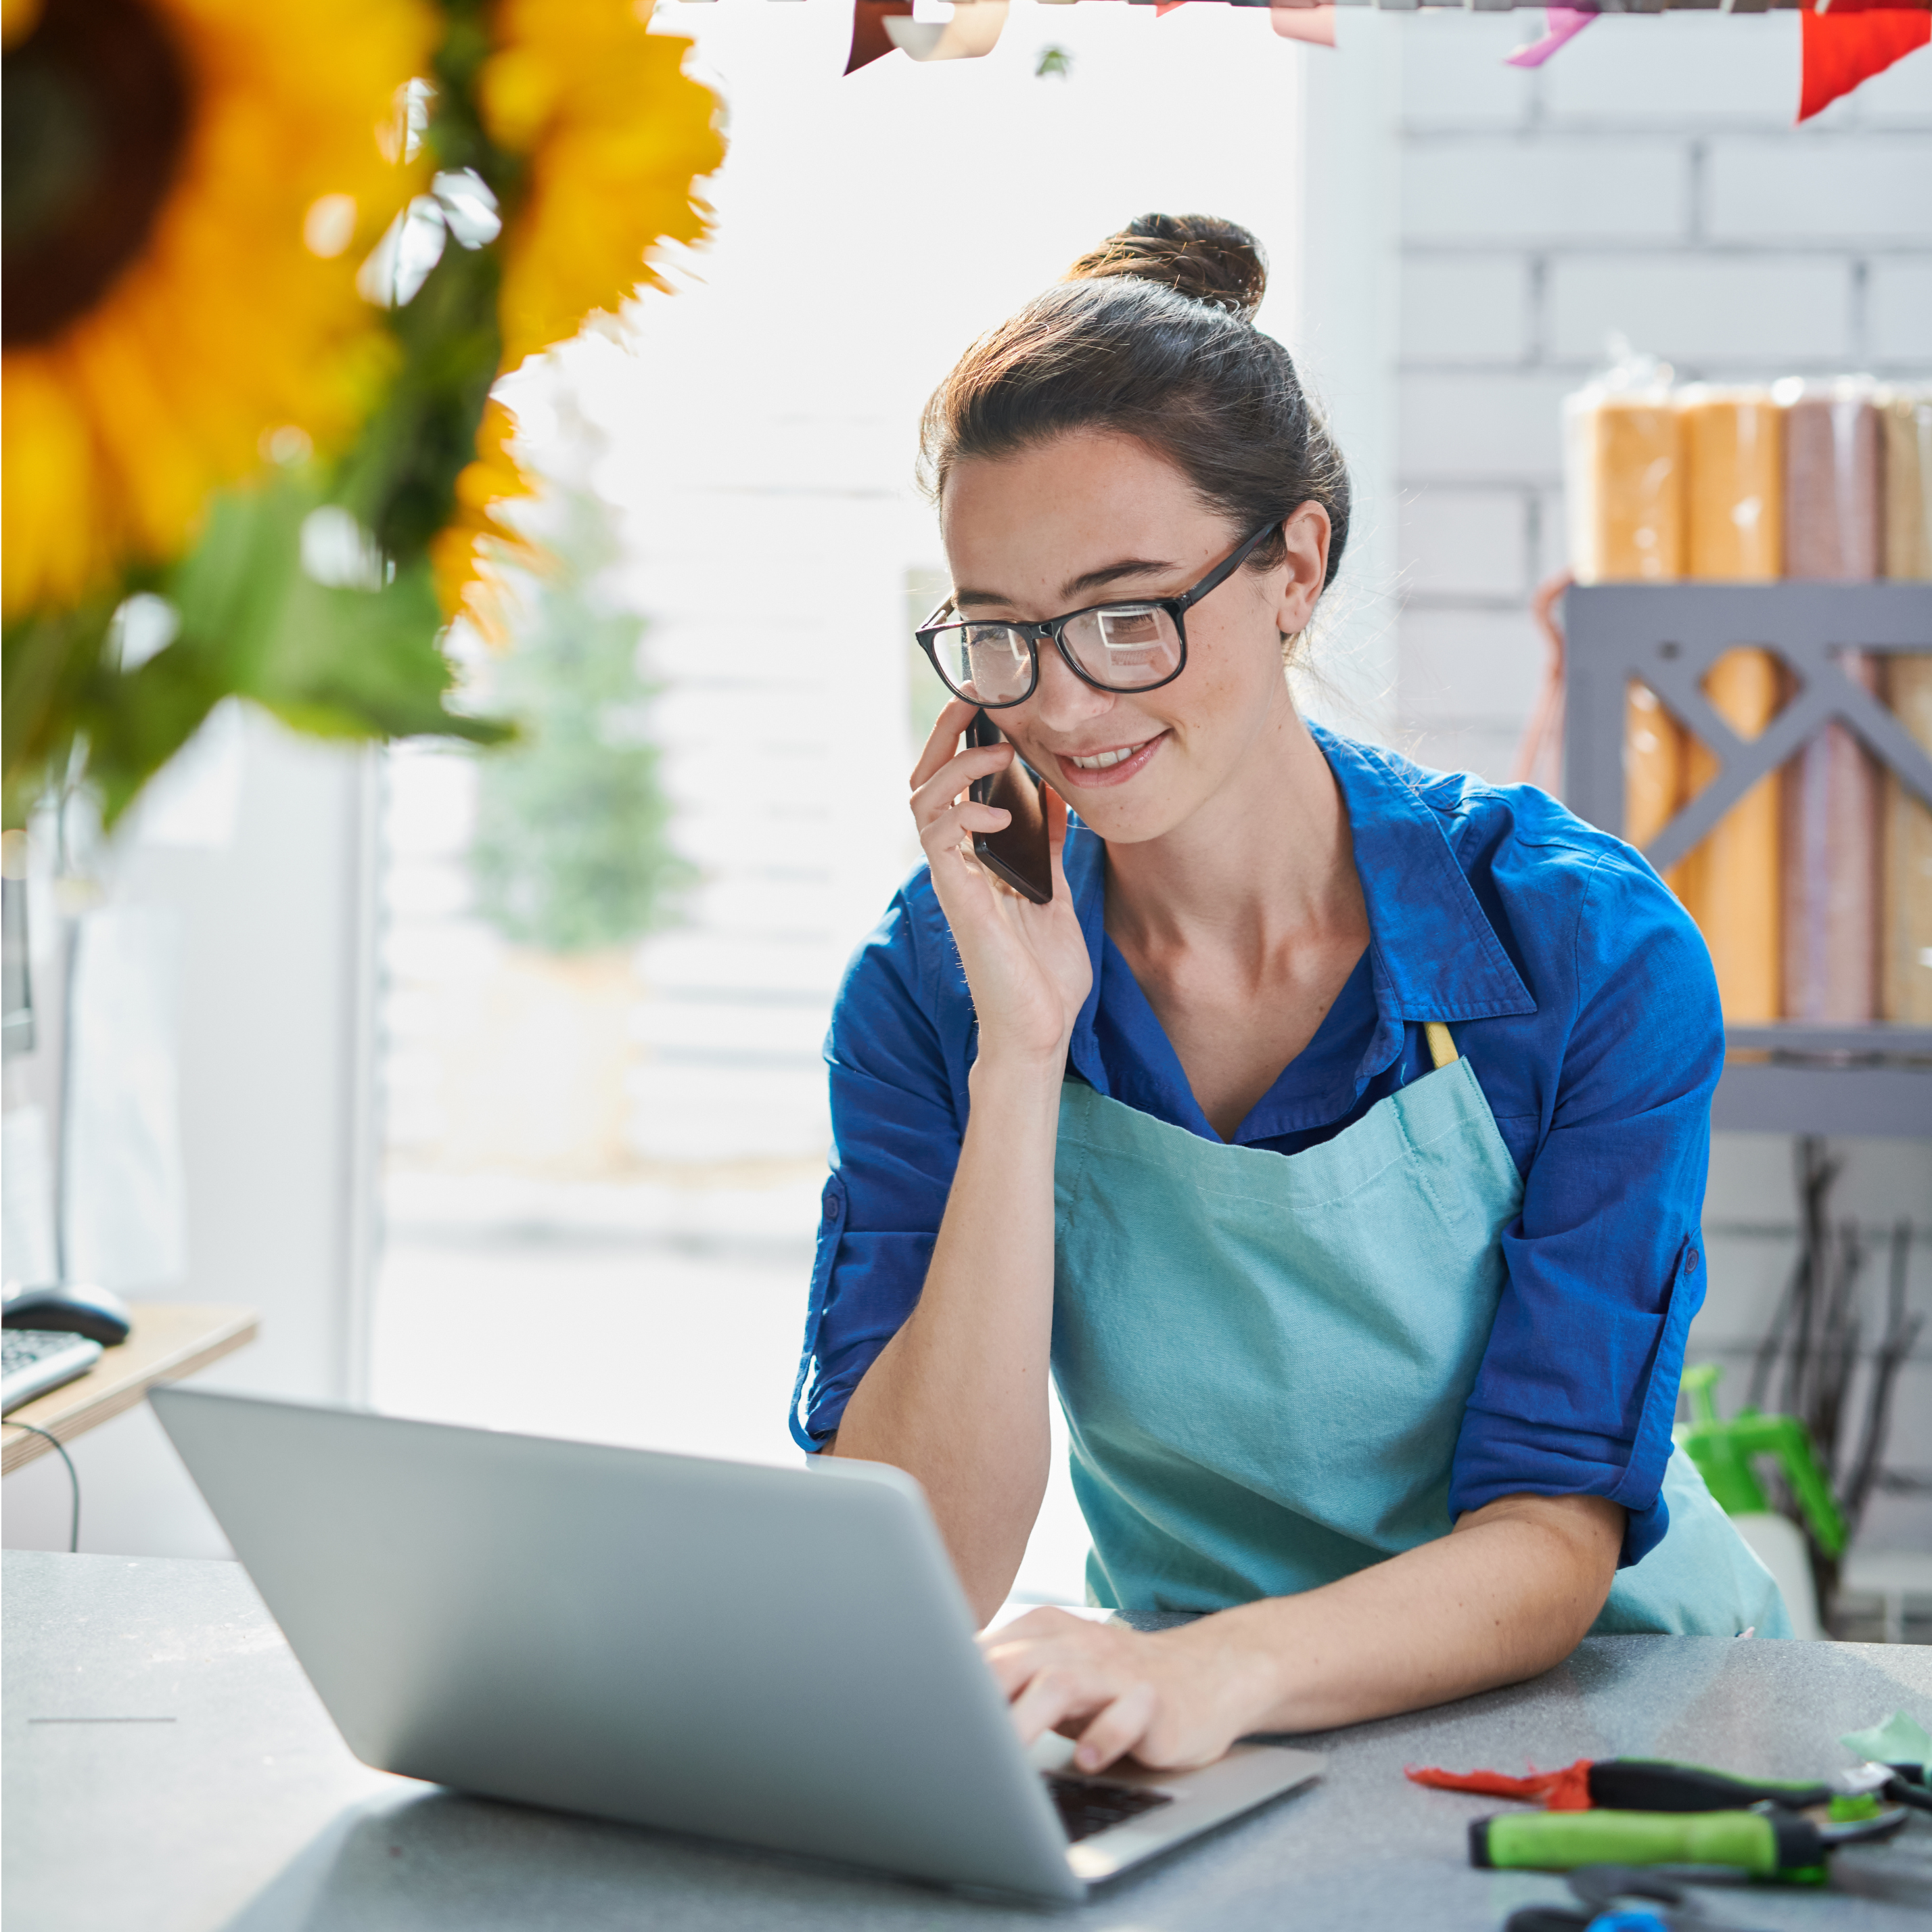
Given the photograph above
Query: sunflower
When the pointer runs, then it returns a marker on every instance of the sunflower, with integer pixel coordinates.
(614, 131)
(235, 231)
(187, 182)
(608, 135)
(469, 553)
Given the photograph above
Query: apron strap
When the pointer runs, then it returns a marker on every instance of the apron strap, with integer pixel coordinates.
(1442, 1047)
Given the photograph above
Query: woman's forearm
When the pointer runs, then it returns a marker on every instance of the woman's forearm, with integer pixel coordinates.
(1510, 1593)
(958, 1398)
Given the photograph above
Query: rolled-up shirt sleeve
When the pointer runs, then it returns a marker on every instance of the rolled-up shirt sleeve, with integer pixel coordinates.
(898, 1097)
(1577, 1388)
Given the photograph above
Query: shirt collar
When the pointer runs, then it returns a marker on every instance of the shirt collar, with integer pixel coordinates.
(1430, 939)
(1433, 953)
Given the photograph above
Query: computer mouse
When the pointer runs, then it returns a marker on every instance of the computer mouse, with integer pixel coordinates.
(72, 1309)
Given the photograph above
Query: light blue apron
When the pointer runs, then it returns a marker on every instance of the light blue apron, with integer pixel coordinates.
(1264, 1359)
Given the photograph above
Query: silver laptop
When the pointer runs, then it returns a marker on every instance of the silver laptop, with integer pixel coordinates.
(780, 1657)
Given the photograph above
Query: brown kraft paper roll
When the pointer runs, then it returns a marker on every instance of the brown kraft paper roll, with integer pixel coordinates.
(1733, 491)
(1731, 883)
(1905, 883)
(1833, 530)
(1733, 445)
(1653, 743)
(1831, 813)
(1624, 477)
(1905, 896)
(1907, 419)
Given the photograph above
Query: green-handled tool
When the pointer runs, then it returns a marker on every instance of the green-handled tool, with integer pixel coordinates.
(1767, 1841)
(1657, 1784)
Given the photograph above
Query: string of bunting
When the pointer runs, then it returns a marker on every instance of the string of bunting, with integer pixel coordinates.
(1843, 42)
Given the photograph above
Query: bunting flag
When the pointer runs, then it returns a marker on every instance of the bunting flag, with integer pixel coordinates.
(1300, 20)
(1844, 41)
(973, 31)
(870, 40)
(1852, 43)
(1560, 25)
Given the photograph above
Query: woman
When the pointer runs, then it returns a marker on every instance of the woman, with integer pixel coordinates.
(1333, 1139)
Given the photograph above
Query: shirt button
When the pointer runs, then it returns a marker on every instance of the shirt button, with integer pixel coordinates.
(1690, 1262)
(832, 1208)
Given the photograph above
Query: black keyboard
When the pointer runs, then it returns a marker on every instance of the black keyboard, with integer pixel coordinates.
(1086, 1806)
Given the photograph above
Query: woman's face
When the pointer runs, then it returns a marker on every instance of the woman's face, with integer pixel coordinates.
(1092, 517)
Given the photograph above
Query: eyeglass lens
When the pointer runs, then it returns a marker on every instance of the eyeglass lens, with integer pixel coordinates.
(1120, 646)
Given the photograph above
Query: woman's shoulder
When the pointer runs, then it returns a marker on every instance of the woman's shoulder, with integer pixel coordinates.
(1569, 901)
(1529, 844)
(909, 957)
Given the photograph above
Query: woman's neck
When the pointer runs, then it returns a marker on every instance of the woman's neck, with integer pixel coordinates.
(1266, 862)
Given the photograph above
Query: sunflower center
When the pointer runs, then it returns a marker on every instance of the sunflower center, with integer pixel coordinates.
(96, 107)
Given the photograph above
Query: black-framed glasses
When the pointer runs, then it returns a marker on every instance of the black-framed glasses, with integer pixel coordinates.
(1131, 646)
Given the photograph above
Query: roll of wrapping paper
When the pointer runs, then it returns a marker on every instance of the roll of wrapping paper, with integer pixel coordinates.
(1907, 421)
(1833, 525)
(1905, 883)
(1905, 891)
(1733, 489)
(1624, 480)
(1731, 883)
(1832, 796)
(1833, 529)
(1654, 763)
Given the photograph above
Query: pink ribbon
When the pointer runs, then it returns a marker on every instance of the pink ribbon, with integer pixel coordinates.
(1560, 24)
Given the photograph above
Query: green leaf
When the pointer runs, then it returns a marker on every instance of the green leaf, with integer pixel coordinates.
(331, 662)
(1900, 1739)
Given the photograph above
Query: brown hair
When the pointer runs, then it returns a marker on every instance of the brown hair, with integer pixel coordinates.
(1151, 335)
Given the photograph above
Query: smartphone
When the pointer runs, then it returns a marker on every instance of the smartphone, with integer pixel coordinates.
(1018, 852)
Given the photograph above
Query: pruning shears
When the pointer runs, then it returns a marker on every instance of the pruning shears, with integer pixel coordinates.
(1762, 1840)
(1631, 1812)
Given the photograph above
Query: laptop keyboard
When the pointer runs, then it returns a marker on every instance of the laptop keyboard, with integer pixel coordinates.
(1086, 1806)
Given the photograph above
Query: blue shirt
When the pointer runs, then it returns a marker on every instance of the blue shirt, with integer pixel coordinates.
(1578, 990)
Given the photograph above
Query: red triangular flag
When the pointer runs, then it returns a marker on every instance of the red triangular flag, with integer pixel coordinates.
(870, 40)
(1847, 45)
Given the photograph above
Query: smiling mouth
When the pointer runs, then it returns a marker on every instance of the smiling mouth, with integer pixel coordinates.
(1101, 760)
(1118, 765)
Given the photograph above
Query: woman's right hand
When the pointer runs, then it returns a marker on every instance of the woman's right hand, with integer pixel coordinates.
(1026, 964)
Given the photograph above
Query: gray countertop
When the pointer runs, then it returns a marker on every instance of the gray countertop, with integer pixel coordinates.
(168, 1768)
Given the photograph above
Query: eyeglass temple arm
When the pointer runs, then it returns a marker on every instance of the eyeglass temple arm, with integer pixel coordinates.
(1226, 568)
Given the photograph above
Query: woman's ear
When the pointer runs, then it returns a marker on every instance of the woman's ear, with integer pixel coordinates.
(1305, 534)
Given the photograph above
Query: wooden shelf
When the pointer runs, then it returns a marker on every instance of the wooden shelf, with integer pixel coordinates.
(169, 1340)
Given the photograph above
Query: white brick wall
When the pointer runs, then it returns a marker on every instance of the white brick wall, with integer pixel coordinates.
(1473, 308)
(1648, 180)
(1588, 187)
(1757, 312)
(1464, 543)
(1876, 187)
(1898, 309)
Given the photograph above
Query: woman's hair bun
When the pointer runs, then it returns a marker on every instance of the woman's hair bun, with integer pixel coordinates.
(1213, 261)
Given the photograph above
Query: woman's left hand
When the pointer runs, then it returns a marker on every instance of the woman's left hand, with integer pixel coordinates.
(1171, 1699)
